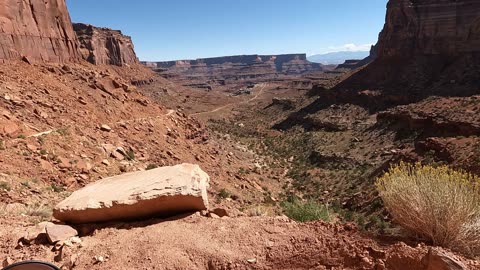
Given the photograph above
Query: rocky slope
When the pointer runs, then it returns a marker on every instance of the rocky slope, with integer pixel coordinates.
(104, 46)
(38, 30)
(426, 47)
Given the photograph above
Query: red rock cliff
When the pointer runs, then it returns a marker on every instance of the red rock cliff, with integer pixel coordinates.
(103, 46)
(38, 29)
(427, 47)
(430, 27)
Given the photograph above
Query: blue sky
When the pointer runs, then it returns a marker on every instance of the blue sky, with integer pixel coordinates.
(189, 29)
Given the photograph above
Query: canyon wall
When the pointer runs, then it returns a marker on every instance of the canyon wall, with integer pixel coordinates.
(240, 66)
(427, 47)
(430, 27)
(37, 30)
(104, 46)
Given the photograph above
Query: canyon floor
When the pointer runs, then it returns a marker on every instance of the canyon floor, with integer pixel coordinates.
(65, 126)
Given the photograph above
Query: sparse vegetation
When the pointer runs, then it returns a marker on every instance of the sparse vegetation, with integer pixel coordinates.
(305, 211)
(5, 186)
(224, 194)
(438, 204)
(261, 211)
(21, 136)
(63, 131)
(130, 154)
(57, 188)
(38, 210)
(151, 167)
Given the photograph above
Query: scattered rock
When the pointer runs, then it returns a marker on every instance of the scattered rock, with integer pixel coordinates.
(106, 128)
(57, 233)
(98, 259)
(213, 215)
(106, 162)
(220, 212)
(26, 60)
(162, 191)
(8, 261)
(35, 233)
(441, 260)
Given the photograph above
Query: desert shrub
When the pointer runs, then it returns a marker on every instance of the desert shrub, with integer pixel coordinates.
(438, 204)
(260, 211)
(151, 167)
(38, 210)
(224, 194)
(305, 211)
(130, 155)
(5, 186)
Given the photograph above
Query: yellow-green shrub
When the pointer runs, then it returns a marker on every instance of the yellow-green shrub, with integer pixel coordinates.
(437, 203)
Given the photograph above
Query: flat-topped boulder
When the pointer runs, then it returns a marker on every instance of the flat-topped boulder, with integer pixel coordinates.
(164, 191)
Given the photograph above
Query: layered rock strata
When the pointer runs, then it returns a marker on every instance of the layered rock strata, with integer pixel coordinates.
(36, 31)
(104, 46)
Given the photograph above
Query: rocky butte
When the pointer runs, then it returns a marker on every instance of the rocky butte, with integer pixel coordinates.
(426, 46)
(37, 30)
(104, 46)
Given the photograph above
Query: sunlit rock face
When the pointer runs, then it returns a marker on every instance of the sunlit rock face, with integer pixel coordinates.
(38, 30)
(104, 46)
(430, 27)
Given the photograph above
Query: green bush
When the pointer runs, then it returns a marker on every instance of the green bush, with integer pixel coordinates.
(224, 194)
(305, 211)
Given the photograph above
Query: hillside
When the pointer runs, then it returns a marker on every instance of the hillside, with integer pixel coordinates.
(288, 149)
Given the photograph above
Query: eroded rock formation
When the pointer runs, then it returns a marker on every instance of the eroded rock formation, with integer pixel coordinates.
(430, 27)
(238, 67)
(427, 47)
(37, 30)
(104, 46)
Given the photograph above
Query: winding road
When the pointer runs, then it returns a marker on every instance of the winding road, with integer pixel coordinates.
(263, 85)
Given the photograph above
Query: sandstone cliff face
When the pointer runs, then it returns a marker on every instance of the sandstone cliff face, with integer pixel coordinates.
(427, 47)
(103, 46)
(430, 27)
(38, 30)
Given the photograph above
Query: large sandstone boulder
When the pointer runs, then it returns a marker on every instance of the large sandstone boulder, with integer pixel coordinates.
(159, 192)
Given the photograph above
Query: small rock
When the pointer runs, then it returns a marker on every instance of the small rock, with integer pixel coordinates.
(441, 260)
(106, 162)
(98, 259)
(26, 60)
(106, 128)
(57, 233)
(213, 215)
(8, 261)
(64, 163)
(220, 212)
(32, 233)
(252, 260)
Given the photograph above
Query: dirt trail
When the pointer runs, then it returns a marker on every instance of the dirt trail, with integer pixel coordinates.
(263, 85)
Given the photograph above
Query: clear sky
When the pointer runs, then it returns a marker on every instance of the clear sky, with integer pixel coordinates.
(190, 29)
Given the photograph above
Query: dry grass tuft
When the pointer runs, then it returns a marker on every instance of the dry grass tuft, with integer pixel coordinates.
(438, 204)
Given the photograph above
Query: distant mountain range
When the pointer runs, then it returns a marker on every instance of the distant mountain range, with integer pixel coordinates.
(336, 58)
